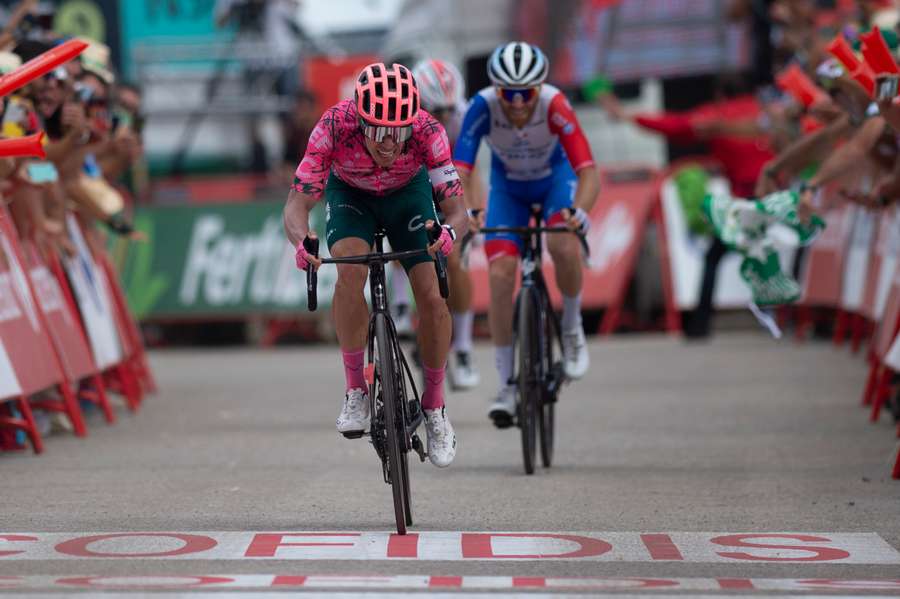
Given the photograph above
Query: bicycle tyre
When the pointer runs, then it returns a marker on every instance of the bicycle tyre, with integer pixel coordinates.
(387, 374)
(528, 382)
(546, 412)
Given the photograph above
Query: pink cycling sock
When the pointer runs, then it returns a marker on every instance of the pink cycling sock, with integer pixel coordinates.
(353, 369)
(433, 397)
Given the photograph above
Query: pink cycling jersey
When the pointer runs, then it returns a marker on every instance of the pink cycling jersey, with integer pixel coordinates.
(337, 144)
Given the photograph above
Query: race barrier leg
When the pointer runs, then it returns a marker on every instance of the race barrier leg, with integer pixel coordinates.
(869, 391)
(25, 423)
(857, 332)
(841, 326)
(96, 395)
(883, 389)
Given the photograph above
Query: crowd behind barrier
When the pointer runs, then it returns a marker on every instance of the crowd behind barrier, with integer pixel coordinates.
(70, 148)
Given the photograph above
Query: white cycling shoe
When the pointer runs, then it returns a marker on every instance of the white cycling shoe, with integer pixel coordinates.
(354, 418)
(503, 410)
(461, 372)
(441, 438)
(576, 359)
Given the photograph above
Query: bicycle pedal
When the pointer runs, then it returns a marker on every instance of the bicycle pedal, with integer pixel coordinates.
(502, 420)
(354, 434)
(418, 447)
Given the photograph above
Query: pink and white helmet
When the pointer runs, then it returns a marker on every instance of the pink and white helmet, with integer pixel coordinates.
(441, 86)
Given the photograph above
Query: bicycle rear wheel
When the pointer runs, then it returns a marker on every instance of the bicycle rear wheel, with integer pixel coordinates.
(529, 379)
(386, 366)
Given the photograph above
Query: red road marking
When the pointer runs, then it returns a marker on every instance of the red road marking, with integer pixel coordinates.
(445, 581)
(822, 554)
(290, 581)
(192, 544)
(661, 547)
(403, 546)
(519, 582)
(735, 583)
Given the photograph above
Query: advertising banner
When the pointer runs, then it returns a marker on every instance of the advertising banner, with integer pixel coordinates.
(215, 261)
(824, 265)
(92, 296)
(886, 251)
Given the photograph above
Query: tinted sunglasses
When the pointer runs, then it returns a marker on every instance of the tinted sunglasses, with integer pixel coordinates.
(377, 133)
(526, 94)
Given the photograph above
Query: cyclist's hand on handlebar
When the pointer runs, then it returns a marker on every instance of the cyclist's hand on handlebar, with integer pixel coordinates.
(577, 220)
(304, 259)
(476, 220)
(444, 243)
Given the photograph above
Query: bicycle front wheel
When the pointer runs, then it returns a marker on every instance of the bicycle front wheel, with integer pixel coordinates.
(388, 375)
(546, 415)
(529, 378)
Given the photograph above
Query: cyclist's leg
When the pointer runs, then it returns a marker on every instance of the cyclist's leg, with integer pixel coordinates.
(565, 250)
(404, 215)
(503, 251)
(350, 230)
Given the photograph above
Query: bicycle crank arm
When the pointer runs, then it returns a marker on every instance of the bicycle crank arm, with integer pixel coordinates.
(555, 379)
(418, 447)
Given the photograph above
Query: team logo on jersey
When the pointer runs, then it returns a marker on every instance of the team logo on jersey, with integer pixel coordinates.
(439, 147)
(564, 124)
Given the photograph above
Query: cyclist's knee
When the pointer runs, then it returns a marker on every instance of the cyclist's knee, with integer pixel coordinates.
(503, 271)
(351, 278)
(564, 248)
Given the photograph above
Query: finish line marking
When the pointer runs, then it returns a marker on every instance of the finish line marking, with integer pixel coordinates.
(438, 583)
(689, 547)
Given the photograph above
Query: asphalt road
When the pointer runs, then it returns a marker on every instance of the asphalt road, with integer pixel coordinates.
(666, 454)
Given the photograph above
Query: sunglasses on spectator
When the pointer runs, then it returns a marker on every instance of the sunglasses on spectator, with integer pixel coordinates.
(526, 94)
(377, 133)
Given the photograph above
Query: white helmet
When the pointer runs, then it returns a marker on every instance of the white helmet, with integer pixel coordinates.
(517, 64)
(440, 84)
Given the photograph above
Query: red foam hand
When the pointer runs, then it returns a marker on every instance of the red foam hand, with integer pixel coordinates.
(40, 65)
(877, 54)
(795, 82)
(30, 146)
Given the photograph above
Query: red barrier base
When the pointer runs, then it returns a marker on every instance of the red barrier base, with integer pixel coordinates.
(25, 423)
(869, 391)
(65, 403)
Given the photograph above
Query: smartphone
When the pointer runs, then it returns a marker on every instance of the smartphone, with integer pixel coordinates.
(42, 172)
(886, 88)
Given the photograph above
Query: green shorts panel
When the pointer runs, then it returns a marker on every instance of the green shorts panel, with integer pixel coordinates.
(352, 212)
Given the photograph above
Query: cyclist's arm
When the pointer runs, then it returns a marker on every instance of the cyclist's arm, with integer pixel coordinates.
(296, 215)
(476, 124)
(445, 181)
(309, 179)
(564, 124)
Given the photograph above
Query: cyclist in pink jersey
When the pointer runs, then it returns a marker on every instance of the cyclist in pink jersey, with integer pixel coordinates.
(381, 162)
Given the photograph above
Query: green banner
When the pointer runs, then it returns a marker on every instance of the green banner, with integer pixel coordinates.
(214, 260)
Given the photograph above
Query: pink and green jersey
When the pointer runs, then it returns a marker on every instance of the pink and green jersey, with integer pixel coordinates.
(337, 145)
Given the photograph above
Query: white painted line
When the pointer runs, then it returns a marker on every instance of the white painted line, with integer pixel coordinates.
(422, 595)
(438, 583)
(690, 547)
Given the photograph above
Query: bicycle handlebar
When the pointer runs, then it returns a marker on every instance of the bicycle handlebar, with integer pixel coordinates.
(312, 246)
(528, 231)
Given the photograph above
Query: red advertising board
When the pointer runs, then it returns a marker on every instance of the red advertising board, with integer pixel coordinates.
(887, 329)
(64, 326)
(822, 280)
(22, 327)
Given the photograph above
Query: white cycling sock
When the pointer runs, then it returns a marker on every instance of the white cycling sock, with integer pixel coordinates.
(462, 331)
(503, 360)
(571, 315)
(399, 283)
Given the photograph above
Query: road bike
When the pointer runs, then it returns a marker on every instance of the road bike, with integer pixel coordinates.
(396, 413)
(537, 341)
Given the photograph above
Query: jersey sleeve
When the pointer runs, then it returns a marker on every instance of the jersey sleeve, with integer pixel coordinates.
(435, 147)
(312, 172)
(564, 124)
(476, 124)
